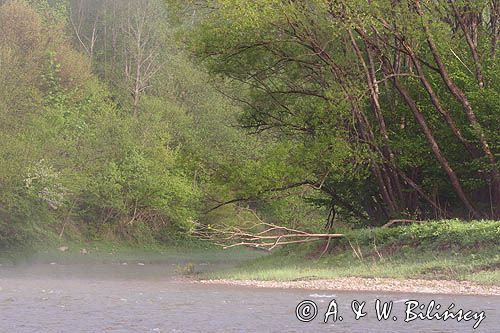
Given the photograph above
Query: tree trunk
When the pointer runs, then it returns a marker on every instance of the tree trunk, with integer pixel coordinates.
(471, 116)
(455, 183)
(471, 38)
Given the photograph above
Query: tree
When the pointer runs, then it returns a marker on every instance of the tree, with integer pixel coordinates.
(344, 71)
(71, 157)
(130, 38)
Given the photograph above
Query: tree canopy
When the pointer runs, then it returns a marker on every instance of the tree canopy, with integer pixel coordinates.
(392, 106)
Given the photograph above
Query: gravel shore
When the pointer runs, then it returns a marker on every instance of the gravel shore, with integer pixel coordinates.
(372, 284)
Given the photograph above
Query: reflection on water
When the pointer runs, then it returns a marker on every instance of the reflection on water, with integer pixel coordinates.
(149, 298)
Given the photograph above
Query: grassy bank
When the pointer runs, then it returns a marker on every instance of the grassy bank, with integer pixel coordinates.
(435, 250)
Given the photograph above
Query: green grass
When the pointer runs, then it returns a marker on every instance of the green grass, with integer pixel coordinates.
(435, 250)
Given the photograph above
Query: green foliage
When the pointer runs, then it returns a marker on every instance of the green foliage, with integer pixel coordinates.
(299, 71)
(451, 233)
(79, 155)
(108, 127)
(71, 155)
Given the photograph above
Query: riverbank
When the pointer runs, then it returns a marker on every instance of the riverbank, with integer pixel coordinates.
(371, 284)
(445, 257)
(437, 257)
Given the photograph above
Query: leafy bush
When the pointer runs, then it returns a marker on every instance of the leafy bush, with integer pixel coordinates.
(435, 234)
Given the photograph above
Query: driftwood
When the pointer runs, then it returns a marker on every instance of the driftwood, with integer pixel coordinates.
(269, 238)
(261, 235)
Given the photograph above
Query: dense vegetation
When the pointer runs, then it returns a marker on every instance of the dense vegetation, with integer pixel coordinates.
(142, 119)
(390, 107)
(81, 154)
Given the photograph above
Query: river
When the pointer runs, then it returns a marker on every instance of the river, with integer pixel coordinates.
(137, 297)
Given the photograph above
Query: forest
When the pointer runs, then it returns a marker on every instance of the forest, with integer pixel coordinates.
(160, 120)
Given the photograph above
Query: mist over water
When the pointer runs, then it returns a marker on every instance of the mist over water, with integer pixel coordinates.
(144, 297)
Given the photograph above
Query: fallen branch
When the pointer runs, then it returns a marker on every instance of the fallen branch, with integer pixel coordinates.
(271, 245)
(262, 235)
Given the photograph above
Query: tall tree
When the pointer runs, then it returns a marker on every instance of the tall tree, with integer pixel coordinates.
(352, 70)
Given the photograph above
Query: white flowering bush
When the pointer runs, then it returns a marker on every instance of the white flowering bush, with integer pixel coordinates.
(43, 183)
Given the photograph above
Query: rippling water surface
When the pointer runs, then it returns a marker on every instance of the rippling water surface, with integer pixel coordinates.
(149, 298)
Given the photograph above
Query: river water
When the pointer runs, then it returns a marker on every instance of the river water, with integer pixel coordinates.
(140, 297)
